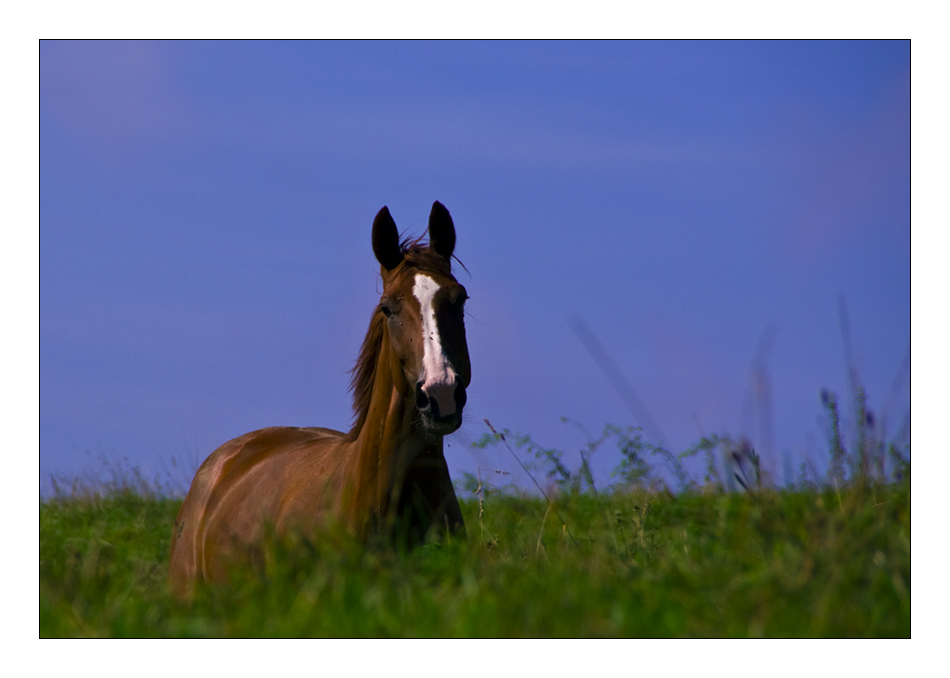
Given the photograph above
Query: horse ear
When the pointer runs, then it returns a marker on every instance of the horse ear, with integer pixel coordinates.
(386, 240)
(441, 230)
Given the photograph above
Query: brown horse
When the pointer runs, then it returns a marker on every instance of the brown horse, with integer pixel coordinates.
(388, 474)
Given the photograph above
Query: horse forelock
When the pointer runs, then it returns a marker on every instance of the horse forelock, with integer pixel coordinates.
(419, 257)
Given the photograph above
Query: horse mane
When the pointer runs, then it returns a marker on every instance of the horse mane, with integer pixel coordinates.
(415, 255)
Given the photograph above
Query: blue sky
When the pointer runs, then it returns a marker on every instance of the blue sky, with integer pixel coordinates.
(205, 215)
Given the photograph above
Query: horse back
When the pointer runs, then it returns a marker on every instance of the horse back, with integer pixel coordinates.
(266, 477)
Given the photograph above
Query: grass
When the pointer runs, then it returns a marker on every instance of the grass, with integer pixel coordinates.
(798, 563)
(822, 558)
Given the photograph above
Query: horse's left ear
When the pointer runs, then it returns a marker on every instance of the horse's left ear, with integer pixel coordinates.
(441, 230)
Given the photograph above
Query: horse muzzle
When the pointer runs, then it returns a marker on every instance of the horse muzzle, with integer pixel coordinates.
(440, 405)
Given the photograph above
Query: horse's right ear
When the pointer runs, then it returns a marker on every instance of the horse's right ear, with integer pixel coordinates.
(386, 240)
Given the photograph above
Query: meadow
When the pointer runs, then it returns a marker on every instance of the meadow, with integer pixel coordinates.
(636, 559)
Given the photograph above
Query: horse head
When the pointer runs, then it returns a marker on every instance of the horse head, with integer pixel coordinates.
(422, 309)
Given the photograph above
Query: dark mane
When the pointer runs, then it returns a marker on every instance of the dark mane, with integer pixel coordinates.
(364, 372)
(415, 255)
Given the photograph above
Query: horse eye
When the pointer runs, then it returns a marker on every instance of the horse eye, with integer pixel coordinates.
(386, 310)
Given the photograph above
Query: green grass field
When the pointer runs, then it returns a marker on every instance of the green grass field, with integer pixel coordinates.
(826, 557)
(810, 562)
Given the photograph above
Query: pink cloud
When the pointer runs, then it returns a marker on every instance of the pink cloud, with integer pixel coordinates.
(117, 91)
(850, 181)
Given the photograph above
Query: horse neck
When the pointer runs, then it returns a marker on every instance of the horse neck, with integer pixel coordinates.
(383, 449)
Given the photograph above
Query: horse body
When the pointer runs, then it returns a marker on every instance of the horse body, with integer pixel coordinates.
(389, 472)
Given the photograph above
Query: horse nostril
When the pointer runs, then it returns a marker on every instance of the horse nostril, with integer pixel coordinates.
(422, 400)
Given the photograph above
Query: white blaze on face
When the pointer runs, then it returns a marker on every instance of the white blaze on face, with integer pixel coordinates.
(438, 377)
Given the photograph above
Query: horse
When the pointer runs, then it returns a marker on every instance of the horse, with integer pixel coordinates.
(388, 474)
